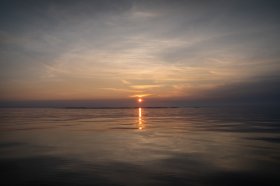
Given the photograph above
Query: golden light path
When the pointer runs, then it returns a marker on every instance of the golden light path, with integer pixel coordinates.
(140, 121)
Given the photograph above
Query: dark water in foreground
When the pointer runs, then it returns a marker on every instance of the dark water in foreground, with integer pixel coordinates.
(171, 146)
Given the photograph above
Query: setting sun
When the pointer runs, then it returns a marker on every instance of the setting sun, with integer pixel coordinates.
(147, 92)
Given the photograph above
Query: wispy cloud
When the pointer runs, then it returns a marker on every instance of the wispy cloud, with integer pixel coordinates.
(88, 49)
(143, 87)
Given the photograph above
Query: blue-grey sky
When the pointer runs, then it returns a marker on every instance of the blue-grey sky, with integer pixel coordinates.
(156, 49)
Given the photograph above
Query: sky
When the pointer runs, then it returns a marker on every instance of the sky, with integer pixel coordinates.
(113, 51)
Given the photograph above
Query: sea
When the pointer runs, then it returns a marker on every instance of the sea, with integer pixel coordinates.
(193, 146)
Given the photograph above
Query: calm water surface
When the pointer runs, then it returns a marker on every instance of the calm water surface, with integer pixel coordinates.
(164, 146)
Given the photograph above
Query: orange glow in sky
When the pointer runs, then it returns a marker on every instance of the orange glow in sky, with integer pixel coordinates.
(101, 60)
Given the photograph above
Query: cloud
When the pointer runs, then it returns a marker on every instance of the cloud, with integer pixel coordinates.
(121, 90)
(145, 86)
(140, 95)
(86, 49)
(263, 90)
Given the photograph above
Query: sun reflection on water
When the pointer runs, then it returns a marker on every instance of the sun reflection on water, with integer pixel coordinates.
(140, 120)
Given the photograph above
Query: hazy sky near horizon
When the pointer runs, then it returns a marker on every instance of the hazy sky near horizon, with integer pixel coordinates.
(117, 49)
